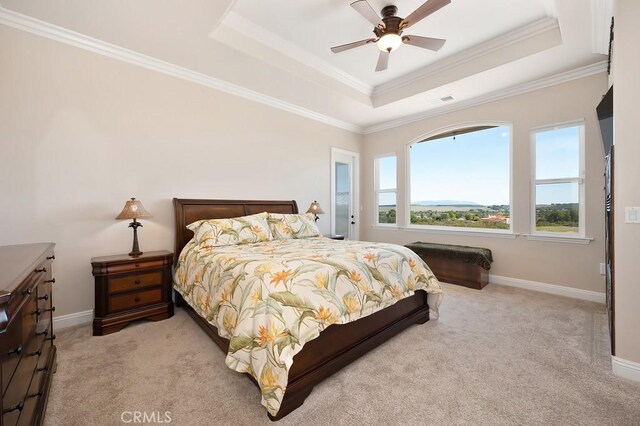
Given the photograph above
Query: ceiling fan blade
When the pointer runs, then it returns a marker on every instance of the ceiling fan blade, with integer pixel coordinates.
(364, 8)
(383, 61)
(434, 44)
(343, 47)
(423, 11)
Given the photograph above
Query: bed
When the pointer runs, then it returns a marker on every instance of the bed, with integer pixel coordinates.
(337, 344)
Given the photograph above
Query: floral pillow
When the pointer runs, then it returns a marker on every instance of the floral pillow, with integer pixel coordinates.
(237, 230)
(288, 226)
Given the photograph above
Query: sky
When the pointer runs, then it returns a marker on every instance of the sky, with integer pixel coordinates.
(475, 167)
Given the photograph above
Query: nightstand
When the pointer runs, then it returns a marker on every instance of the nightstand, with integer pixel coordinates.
(335, 236)
(131, 288)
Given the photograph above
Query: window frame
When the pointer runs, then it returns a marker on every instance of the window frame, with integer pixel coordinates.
(507, 233)
(580, 180)
(377, 190)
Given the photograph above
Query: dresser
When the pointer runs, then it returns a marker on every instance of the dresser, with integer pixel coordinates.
(28, 355)
(131, 288)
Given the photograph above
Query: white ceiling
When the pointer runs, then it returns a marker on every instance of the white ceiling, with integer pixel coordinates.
(317, 25)
(279, 50)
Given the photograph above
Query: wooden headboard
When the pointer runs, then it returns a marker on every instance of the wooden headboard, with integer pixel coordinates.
(188, 211)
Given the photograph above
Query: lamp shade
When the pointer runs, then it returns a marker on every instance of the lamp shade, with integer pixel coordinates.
(315, 208)
(133, 209)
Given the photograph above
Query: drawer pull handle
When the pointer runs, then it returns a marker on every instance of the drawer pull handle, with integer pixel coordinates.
(45, 297)
(52, 309)
(136, 282)
(19, 406)
(41, 270)
(137, 299)
(45, 368)
(52, 257)
(137, 265)
(16, 351)
(37, 312)
(35, 395)
(52, 281)
(36, 353)
(43, 333)
(27, 292)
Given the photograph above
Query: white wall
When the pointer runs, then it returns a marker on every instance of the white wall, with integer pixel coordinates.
(81, 133)
(571, 265)
(626, 71)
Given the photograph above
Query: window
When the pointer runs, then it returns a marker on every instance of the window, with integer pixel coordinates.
(386, 206)
(461, 179)
(558, 190)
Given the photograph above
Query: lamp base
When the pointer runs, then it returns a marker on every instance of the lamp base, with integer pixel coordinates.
(135, 250)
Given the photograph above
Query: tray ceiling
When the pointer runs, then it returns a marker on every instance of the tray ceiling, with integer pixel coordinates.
(277, 51)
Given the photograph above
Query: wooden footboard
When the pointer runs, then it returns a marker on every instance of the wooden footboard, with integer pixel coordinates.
(337, 346)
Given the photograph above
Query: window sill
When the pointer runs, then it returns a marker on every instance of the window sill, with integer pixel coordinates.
(465, 232)
(389, 227)
(558, 238)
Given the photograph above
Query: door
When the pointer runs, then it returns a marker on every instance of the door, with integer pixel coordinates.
(344, 193)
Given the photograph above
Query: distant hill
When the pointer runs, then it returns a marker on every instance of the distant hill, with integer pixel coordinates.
(445, 203)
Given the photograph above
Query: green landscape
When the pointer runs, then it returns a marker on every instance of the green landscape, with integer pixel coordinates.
(558, 217)
(464, 216)
(549, 218)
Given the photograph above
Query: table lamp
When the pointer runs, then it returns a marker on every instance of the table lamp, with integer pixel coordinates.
(315, 209)
(133, 209)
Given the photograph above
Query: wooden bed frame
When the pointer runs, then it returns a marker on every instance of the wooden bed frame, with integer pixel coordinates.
(338, 345)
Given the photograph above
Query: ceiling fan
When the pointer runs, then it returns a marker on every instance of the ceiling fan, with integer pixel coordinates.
(389, 28)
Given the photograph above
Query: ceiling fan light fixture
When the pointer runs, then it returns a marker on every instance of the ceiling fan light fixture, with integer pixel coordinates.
(389, 42)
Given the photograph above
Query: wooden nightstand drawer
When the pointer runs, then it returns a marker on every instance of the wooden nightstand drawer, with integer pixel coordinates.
(134, 300)
(135, 266)
(133, 282)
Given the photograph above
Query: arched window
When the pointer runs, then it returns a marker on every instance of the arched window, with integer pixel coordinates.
(460, 178)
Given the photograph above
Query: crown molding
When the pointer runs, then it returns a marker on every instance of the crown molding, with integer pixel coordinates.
(224, 14)
(279, 44)
(499, 42)
(519, 89)
(601, 13)
(53, 32)
(72, 38)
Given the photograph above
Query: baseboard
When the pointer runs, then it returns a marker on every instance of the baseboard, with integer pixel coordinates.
(574, 293)
(625, 368)
(71, 320)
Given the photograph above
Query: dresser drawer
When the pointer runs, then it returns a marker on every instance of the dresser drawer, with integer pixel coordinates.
(23, 344)
(134, 300)
(43, 292)
(12, 350)
(14, 344)
(36, 391)
(19, 385)
(133, 282)
(10, 418)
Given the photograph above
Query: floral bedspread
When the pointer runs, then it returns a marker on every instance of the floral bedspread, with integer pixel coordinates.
(270, 298)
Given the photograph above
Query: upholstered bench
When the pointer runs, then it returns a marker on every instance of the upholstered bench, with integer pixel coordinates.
(467, 266)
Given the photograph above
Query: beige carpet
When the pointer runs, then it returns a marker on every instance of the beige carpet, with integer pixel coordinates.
(497, 356)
